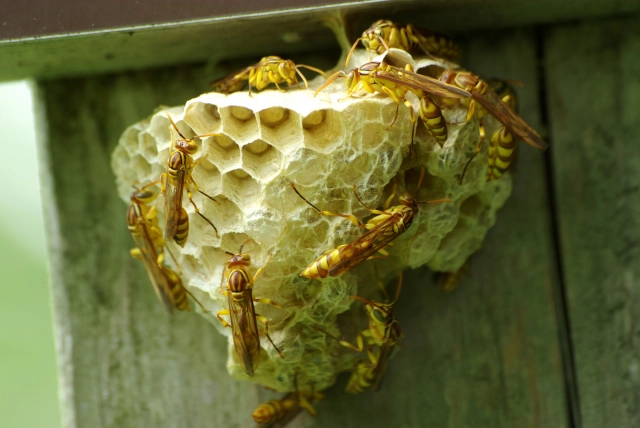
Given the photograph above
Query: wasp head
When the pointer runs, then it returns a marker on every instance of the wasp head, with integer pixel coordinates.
(186, 146)
(143, 197)
(239, 260)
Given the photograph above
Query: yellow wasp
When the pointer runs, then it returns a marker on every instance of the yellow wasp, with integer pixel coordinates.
(386, 226)
(241, 312)
(270, 69)
(502, 143)
(383, 333)
(384, 34)
(395, 82)
(142, 221)
(490, 103)
(278, 413)
(178, 178)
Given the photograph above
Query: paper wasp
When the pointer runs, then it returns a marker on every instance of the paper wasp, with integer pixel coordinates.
(395, 82)
(490, 103)
(384, 332)
(241, 312)
(176, 179)
(384, 34)
(270, 69)
(278, 413)
(142, 221)
(381, 229)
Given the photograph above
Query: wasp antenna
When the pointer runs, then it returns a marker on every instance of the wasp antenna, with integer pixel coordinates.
(306, 84)
(229, 254)
(435, 201)
(326, 332)
(386, 46)
(363, 300)
(305, 199)
(317, 70)
(398, 288)
(515, 82)
(243, 244)
(175, 127)
(419, 181)
(353, 48)
(330, 80)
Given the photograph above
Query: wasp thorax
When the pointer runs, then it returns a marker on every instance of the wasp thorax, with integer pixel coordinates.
(407, 199)
(143, 197)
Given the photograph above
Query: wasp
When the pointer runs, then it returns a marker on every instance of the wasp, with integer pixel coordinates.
(381, 229)
(278, 413)
(502, 143)
(384, 332)
(395, 82)
(241, 311)
(384, 34)
(270, 69)
(142, 221)
(490, 103)
(177, 178)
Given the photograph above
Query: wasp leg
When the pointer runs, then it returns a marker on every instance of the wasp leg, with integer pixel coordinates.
(264, 321)
(222, 320)
(359, 341)
(268, 302)
(259, 271)
(353, 219)
(195, 207)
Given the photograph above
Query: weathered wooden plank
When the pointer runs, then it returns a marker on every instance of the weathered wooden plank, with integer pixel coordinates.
(485, 355)
(122, 361)
(593, 74)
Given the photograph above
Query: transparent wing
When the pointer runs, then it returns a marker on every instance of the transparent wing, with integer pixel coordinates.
(351, 255)
(381, 367)
(234, 82)
(514, 123)
(157, 276)
(245, 331)
(413, 80)
(173, 205)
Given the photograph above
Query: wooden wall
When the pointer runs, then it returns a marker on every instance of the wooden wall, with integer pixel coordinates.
(543, 332)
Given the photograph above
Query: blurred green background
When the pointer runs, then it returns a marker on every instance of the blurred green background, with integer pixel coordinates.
(28, 384)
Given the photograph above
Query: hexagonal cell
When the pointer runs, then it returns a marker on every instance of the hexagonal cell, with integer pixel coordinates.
(203, 117)
(223, 152)
(141, 167)
(242, 189)
(228, 215)
(208, 177)
(261, 160)
(373, 135)
(147, 146)
(239, 123)
(323, 130)
(281, 127)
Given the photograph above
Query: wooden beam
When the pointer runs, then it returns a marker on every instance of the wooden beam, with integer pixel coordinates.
(593, 70)
(74, 41)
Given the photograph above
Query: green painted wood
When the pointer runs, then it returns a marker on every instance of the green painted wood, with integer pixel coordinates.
(593, 74)
(208, 34)
(484, 355)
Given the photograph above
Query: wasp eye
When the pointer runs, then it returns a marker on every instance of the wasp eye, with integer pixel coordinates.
(379, 315)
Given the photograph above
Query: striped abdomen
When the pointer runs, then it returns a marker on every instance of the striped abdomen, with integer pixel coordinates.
(361, 378)
(183, 228)
(274, 410)
(501, 150)
(320, 268)
(433, 120)
(439, 45)
(180, 298)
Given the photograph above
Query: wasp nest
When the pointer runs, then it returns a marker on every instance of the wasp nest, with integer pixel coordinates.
(324, 145)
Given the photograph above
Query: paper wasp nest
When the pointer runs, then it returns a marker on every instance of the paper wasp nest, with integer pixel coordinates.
(324, 145)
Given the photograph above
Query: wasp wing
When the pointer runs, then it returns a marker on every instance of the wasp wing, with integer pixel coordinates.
(380, 369)
(173, 204)
(232, 83)
(403, 77)
(158, 278)
(512, 121)
(351, 255)
(245, 331)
